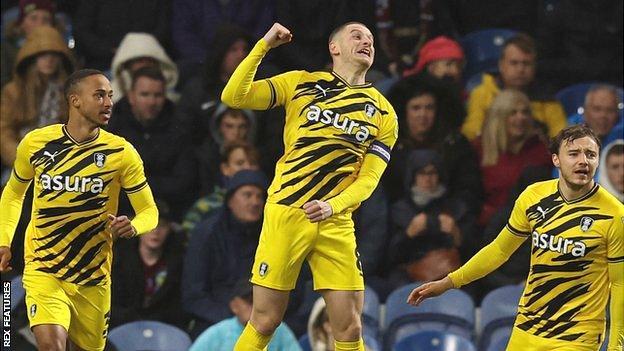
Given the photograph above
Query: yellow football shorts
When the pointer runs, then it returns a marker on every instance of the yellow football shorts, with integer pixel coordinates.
(83, 311)
(288, 238)
(523, 341)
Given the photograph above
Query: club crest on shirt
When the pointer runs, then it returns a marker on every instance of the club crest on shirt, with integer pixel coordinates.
(369, 110)
(586, 223)
(99, 159)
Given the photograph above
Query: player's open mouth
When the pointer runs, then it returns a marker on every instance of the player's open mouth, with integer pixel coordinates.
(365, 52)
(584, 172)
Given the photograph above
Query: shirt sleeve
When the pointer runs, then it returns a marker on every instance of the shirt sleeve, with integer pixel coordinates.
(13, 193)
(134, 183)
(498, 251)
(241, 91)
(375, 161)
(615, 257)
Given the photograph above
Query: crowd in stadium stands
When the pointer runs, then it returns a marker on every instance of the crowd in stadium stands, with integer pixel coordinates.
(472, 135)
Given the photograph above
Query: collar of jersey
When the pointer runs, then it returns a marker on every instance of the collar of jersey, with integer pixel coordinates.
(365, 85)
(593, 190)
(74, 140)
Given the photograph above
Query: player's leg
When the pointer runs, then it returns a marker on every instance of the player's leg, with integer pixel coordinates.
(344, 309)
(338, 276)
(283, 245)
(90, 312)
(48, 309)
(50, 337)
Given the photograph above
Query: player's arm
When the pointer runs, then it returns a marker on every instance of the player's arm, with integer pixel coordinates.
(487, 259)
(135, 185)
(615, 258)
(375, 161)
(241, 91)
(12, 199)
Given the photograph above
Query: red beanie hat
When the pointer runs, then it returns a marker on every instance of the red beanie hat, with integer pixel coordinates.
(439, 48)
(26, 6)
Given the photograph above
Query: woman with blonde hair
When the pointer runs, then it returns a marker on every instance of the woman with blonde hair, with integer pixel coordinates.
(34, 97)
(510, 141)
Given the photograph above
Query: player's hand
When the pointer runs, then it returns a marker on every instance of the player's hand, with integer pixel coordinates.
(317, 211)
(277, 35)
(430, 289)
(5, 259)
(121, 227)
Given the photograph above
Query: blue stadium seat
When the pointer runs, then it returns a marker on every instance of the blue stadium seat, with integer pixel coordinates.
(304, 342)
(432, 340)
(371, 313)
(483, 49)
(17, 293)
(573, 97)
(451, 312)
(498, 312)
(473, 82)
(149, 335)
(499, 345)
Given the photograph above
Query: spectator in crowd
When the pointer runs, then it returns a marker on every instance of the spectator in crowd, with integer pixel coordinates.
(516, 71)
(195, 26)
(509, 143)
(99, 27)
(145, 117)
(403, 27)
(223, 335)
(138, 50)
(612, 168)
(601, 113)
(221, 250)
(427, 224)
(32, 14)
(227, 125)
(202, 93)
(236, 156)
(34, 97)
(581, 41)
(147, 274)
(442, 57)
(515, 270)
(424, 110)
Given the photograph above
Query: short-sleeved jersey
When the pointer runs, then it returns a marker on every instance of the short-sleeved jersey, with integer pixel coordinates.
(573, 242)
(330, 126)
(76, 185)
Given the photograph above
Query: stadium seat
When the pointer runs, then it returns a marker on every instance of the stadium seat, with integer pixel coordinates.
(304, 342)
(371, 313)
(451, 312)
(573, 97)
(149, 335)
(433, 340)
(499, 345)
(473, 82)
(482, 49)
(498, 312)
(17, 293)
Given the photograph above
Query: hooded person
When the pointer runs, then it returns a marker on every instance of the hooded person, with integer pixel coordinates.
(201, 95)
(34, 97)
(227, 126)
(31, 14)
(138, 50)
(612, 169)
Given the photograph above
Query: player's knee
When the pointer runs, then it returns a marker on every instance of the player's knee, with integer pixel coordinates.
(265, 323)
(349, 330)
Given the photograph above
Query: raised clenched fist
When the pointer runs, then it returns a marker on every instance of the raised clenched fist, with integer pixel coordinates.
(277, 35)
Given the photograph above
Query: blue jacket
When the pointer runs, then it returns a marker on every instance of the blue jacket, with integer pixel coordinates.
(219, 253)
(223, 335)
